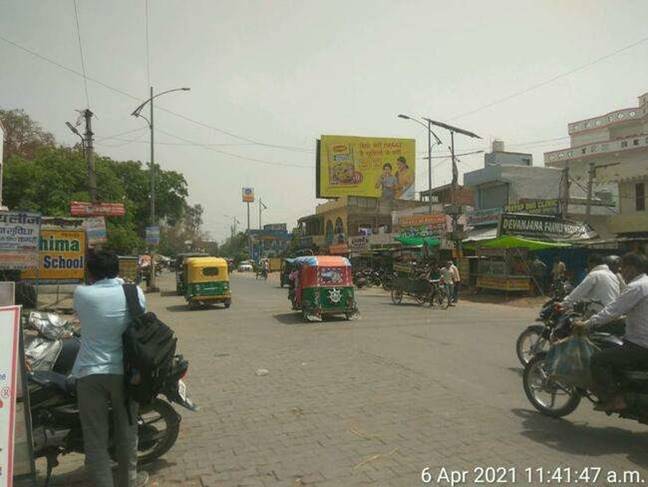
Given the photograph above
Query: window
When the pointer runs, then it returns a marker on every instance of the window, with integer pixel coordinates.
(640, 196)
(635, 142)
(624, 143)
(210, 271)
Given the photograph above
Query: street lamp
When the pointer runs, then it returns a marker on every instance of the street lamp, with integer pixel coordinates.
(428, 127)
(137, 113)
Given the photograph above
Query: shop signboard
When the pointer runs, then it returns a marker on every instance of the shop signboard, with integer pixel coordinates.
(248, 195)
(277, 227)
(427, 225)
(62, 256)
(489, 216)
(9, 371)
(358, 244)
(153, 235)
(19, 238)
(338, 249)
(535, 207)
(85, 208)
(544, 227)
(366, 166)
(95, 228)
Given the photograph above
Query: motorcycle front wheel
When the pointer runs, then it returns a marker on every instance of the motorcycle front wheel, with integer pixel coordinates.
(530, 342)
(547, 395)
(158, 426)
(396, 296)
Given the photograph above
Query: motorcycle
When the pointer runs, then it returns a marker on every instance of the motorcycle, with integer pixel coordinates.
(562, 398)
(56, 425)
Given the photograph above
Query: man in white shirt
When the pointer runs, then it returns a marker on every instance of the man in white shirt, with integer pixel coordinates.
(456, 282)
(600, 286)
(633, 303)
(448, 278)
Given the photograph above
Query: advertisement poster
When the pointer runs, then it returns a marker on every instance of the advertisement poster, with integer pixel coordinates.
(62, 256)
(431, 225)
(366, 166)
(153, 235)
(9, 329)
(248, 195)
(85, 208)
(19, 233)
(95, 230)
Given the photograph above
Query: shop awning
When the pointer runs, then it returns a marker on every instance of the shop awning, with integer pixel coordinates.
(512, 242)
(419, 241)
(478, 234)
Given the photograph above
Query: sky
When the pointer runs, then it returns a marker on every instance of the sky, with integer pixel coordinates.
(267, 78)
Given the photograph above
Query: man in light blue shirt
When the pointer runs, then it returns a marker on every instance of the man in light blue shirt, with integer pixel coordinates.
(99, 369)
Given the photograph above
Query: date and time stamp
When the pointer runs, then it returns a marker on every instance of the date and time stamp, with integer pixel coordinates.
(560, 475)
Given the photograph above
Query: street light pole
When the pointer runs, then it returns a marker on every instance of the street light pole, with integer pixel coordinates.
(438, 141)
(153, 218)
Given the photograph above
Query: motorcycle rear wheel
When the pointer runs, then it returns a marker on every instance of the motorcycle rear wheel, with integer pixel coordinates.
(396, 296)
(536, 380)
(153, 441)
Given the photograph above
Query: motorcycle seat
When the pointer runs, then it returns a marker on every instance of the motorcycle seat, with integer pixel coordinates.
(46, 378)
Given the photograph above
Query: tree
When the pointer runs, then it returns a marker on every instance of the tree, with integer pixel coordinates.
(23, 136)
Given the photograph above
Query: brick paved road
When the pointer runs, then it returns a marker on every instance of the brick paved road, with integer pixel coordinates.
(370, 402)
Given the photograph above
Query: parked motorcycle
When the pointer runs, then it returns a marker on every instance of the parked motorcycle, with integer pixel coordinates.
(56, 426)
(554, 398)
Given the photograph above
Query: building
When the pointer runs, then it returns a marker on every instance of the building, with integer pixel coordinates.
(510, 177)
(612, 150)
(498, 156)
(335, 221)
(445, 195)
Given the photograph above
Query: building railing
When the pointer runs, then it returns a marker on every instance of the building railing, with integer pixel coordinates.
(627, 143)
(604, 120)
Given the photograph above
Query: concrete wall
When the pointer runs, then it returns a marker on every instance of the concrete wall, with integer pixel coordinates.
(508, 158)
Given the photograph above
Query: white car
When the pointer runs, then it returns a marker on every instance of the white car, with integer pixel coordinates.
(245, 267)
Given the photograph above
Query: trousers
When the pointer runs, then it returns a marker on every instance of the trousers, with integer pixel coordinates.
(606, 365)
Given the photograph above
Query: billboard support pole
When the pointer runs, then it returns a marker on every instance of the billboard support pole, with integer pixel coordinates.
(248, 230)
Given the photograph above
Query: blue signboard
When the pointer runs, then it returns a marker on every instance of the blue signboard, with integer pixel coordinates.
(153, 235)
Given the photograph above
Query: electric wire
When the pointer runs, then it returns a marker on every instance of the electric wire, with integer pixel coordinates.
(83, 66)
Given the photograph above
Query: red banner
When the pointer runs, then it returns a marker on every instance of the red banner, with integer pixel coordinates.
(85, 208)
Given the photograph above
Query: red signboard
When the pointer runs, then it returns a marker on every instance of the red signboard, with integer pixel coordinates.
(85, 208)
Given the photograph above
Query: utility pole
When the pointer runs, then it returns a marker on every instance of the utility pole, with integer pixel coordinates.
(89, 155)
(429, 125)
(262, 207)
(152, 281)
(248, 230)
(564, 197)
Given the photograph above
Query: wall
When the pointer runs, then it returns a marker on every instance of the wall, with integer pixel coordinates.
(508, 158)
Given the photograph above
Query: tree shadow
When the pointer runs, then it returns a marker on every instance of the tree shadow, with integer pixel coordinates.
(296, 318)
(583, 439)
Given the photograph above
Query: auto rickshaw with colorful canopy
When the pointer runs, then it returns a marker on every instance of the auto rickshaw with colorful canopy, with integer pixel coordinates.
(323, 285)
(207, 281)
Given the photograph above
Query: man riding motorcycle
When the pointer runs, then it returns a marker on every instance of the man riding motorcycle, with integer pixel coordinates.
(633, 303)
(600, 286)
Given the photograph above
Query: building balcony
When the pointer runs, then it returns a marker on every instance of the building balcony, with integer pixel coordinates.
(629, 223)
(596, 149)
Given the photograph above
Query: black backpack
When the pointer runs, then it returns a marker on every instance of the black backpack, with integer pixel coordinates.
(149, 348)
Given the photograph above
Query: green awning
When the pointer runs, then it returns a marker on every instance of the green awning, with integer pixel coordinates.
(416, 241)
(512, 242)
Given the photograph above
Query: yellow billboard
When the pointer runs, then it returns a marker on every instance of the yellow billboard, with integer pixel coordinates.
(366, 166)
(62, 256)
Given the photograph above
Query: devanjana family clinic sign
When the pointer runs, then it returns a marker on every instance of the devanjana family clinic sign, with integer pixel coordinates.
(544, 227)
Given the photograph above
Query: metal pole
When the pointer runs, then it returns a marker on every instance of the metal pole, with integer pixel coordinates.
(152, 283)
(590, 183)
(455, 171)
(89, 154)
(260, 209)
(430, 164)
(565, 193)
(248, 230)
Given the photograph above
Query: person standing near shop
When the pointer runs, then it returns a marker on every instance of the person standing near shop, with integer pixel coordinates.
(456, 282)
(558, 271)
(99, 369)
(448, 278)
(538, 272)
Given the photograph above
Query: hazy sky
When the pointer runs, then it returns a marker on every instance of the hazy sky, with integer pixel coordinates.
(284, 72)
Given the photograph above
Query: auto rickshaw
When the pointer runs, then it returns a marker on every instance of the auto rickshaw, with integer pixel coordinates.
(323, 285)
(207, 281)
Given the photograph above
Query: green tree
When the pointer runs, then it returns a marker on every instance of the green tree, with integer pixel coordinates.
(22, 135)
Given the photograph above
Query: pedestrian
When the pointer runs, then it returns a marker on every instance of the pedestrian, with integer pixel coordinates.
(456, 282)
(558, 271)
(448, 279)
(538, 273)
(99, 369)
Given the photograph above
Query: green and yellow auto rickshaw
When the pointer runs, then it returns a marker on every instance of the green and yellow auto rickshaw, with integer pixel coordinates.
(207, 281)
(323, 285)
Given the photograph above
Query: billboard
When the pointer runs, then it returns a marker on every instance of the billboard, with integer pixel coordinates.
(95, 228)
(248, 195)
(62, 256)
(366, 166)
(19, 239)
(544, 227)
(85, 208)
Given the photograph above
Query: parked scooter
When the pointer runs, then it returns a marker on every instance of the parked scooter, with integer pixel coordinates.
(56, 426)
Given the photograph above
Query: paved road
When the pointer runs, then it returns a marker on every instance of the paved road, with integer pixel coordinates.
(370, 402)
